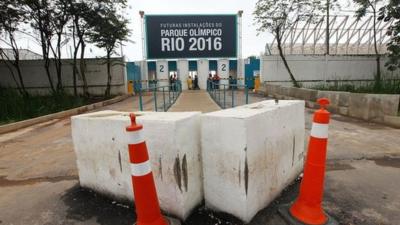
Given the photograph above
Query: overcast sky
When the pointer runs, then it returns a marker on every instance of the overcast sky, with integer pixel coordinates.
(253, 44)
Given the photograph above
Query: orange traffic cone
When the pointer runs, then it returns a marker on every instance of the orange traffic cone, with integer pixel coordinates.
(146, 200)
(307, 208)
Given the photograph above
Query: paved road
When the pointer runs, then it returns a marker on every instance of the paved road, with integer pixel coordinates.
(197, 100)
(38, 177)
(38, 172)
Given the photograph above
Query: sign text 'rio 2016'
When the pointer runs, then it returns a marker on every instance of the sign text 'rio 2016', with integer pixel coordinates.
(195, 36)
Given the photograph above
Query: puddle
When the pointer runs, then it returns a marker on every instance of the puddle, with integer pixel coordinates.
(4, 182)
(338, 166)
(388, 162)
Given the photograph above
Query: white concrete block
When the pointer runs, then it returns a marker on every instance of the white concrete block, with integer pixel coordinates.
(173, 142)
(250, 154)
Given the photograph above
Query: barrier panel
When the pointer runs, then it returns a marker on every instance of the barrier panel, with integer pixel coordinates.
(173, 141)
(228, 95)
(163, 97)
(250, 154)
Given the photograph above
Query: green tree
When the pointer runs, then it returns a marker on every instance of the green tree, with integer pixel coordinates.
(59, 18)
(40, 17)
(78, 11)
(277, 16)
(391, 11)
(363, 7)
(108, 29)
(11, 17)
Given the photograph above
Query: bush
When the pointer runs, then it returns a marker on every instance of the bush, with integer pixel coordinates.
(15, 107)
(383, 87)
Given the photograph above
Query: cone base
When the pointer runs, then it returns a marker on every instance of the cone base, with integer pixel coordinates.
(308, 214)
(285, 214)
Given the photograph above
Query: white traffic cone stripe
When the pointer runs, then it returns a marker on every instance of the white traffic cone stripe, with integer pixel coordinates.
(135, 137)
(319, 130)
(140, 169)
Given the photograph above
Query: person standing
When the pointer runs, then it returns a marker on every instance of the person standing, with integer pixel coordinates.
(190, 83)
(216, 80)
(175, 81)
(230, 81)
(196, 82)
(209, 82)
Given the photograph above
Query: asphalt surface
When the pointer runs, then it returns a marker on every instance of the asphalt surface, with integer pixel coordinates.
(39, 179)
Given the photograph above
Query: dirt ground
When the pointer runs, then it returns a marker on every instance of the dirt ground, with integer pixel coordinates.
(39, 179)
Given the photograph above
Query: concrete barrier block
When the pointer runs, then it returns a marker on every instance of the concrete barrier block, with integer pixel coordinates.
(343, 111)
(271, 89)
(373, 106)
(285, 91)
(250, 154)
(304, 94)
(393, 121)
(173, 141)
(383, 105)
(337, 98)
(358, 106)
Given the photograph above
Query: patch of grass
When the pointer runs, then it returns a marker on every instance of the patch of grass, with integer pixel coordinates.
(14, 107)
(391, 86)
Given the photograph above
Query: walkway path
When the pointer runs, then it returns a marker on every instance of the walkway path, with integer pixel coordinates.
(198, 100)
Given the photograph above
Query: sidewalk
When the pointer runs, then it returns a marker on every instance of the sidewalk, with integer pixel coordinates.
(198, 100)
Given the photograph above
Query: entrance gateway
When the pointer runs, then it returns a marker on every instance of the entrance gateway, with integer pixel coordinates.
(194, 45)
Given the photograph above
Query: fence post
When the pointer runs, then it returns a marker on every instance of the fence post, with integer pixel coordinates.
(247, 94)
(224, 97)
(233, 96)
(169, 95)
(219, 94)
(215, 91)
(163, 95)
(140, 99)
(155, 98)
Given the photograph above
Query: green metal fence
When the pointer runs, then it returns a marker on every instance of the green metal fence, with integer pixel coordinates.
(228, 95)
(162, 97)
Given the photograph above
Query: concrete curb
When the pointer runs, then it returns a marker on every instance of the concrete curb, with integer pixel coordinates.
(393, 121)
(70, 112)
(377, 108)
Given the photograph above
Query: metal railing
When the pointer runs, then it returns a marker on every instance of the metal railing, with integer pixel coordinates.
(163, 97)
(228, 95)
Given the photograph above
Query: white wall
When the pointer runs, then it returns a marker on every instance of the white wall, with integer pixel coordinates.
(223, 68)
(162, 72)
(203, 71)
(315, 68)
(183, 72)
(36, 81)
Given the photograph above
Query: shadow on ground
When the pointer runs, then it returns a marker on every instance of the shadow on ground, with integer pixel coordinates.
(84, 204)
